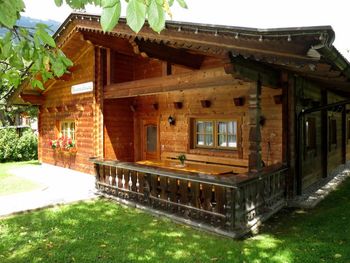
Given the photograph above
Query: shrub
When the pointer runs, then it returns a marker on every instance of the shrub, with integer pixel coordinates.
(15, 148)
(8, 141)
(27, 146)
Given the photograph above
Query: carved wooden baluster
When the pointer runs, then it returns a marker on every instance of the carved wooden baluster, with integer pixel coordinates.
(123, 179)
(178, 194)
(190, 198)
(97, 175)
(130, 181)
(201, 198)
(154, 184)
(97, 172)
(117, 181)
(133, 188)
(171, 192)
(229, 208)
(113, 174)
(213, 202)
(105, 173)
(220, 199)
(194, 198)
(183, 191)
(239, 209)
(163, 187)
(137, 182)
(147, 188)
(158, 189)
(141, 181)
(207, 193)
(102, 173)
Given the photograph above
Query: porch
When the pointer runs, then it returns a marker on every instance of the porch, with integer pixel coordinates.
(229, 204)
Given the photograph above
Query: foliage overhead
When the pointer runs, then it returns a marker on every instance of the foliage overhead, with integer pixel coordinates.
(31, 52)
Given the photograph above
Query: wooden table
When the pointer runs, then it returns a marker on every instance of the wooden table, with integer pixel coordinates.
(189, 167)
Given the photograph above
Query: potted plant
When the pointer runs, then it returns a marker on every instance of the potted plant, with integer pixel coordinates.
(182, 159)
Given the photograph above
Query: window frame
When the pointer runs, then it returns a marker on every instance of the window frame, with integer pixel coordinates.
(310, 134)
(195, 142)
(332, 133)
(215, 122)
(69, 122)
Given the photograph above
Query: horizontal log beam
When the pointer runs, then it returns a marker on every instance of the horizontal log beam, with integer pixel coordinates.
(172, 55)
(32, 99)
(190, 80)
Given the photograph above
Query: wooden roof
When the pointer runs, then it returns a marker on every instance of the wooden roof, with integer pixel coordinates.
(306, 51)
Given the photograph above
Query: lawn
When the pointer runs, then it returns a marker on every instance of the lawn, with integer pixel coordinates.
(11, 184)
(103, 231)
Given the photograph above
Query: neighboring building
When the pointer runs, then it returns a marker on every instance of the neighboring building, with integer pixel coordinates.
(257, 113)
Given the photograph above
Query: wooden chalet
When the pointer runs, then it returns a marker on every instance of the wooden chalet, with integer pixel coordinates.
(260, 115)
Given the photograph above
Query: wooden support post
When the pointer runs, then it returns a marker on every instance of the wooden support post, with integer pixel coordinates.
(285, 118)
(291, 132)
(100, 62)
(343, 138)
(254, 154)
(324, 134)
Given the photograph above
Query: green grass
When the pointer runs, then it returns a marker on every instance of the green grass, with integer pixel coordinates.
(11, 184)
(103, 231)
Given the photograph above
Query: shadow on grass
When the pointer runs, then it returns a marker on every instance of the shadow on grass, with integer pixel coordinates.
(102, 231)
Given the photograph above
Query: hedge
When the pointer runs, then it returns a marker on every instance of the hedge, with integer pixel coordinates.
(18, 148)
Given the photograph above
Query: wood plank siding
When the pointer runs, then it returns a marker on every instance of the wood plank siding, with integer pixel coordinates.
(52, 112)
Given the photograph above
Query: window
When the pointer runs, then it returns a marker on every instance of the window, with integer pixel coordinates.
(68, 129)
(215, 134)
(151, 131)
(204, 133)
(310, 134)
(332, 132)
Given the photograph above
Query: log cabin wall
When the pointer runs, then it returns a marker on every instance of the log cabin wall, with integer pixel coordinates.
(335, 149)
(118, 130)
(177, 138)
(310, 95)
(311, 156)
(61, 105)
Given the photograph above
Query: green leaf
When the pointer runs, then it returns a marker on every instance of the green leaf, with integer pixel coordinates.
(110, 16)
(66, 61)
(58, 3)
(9, 12)
(37, 83)
(45, 37)
(109, 3)
(171, 2)
(136, 15)
(58, 68)
(156, 17)
(46, 75)
(182, 3)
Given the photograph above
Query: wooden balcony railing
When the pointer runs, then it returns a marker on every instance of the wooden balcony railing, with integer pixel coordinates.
(228, 204)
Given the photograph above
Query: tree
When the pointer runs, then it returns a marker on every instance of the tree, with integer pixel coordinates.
(31, 53)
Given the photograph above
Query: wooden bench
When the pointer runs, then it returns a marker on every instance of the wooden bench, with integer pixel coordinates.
(238, 166)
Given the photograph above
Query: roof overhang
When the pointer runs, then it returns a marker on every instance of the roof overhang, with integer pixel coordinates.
(307, 51)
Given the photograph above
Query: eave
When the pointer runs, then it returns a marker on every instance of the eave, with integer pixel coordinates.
(287, 49)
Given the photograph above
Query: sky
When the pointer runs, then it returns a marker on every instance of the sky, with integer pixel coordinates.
(244, 13)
